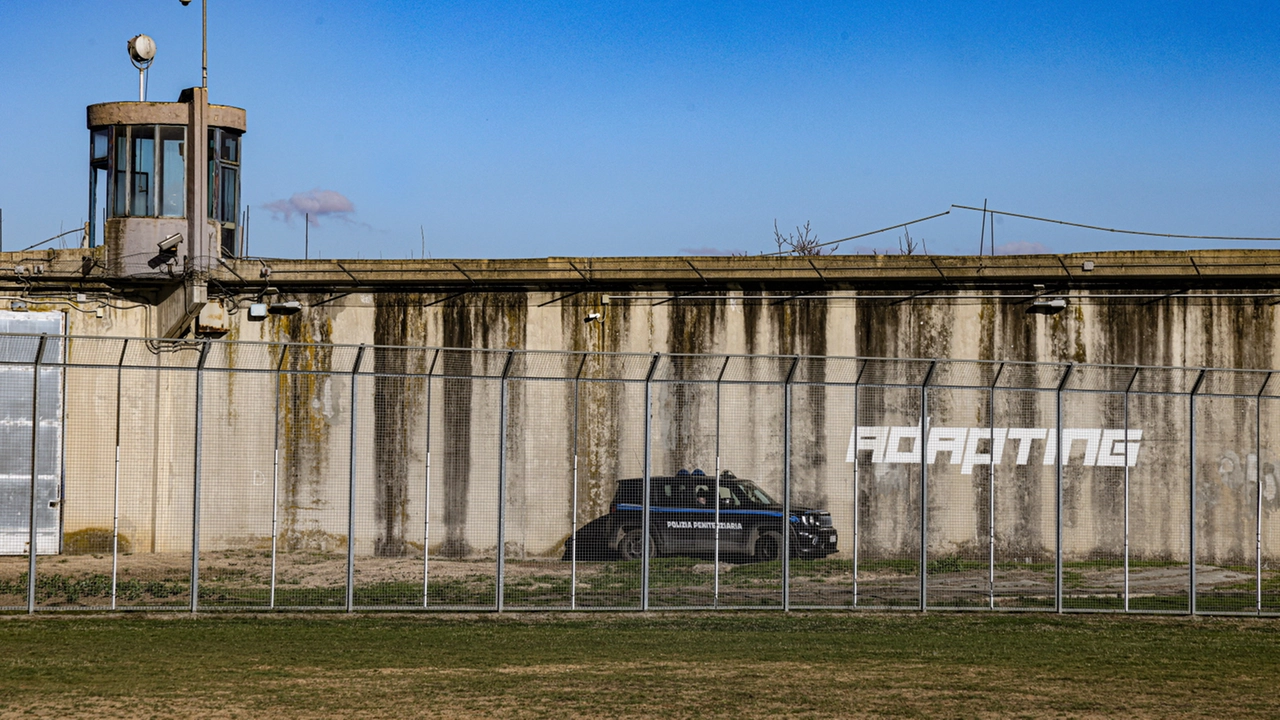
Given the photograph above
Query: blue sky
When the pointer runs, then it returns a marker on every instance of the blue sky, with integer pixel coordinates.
(534, 129)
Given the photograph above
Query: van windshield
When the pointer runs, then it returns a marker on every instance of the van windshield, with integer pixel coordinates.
(743, 492)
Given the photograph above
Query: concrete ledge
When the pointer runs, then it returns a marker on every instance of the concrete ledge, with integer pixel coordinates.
(1171, 268)
(160, 113)
(1152, 269)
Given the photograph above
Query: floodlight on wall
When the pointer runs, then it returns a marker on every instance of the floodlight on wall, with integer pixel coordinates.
(285, 308)
(142, 50)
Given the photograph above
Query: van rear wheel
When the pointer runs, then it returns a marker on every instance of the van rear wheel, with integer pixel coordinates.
(632, 545)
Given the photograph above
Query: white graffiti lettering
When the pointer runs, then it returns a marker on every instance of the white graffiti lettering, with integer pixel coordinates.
(972, 447)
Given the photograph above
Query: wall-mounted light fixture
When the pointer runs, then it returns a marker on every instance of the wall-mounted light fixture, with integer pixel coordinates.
(1048, 306)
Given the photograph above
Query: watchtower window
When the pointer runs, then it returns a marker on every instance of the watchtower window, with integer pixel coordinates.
(229, 150)
(224, 185)
(173, 162)
(148, 169)
(100, 147)
(120, 181)
(143, 165)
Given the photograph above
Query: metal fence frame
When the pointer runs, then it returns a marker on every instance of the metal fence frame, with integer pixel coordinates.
(1062, 376)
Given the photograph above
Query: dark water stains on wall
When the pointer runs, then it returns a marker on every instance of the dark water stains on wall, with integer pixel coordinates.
(1015, 335)
(905, 330)
(685, 412)
(1138, 334)
(1238, 333)
(397, 409)
(801, 327)
(499, 320)
(1065, 341)
(603, 415)
(457, 333)
(310, 408)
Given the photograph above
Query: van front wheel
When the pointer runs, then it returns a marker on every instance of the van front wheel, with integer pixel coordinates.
(768, 547)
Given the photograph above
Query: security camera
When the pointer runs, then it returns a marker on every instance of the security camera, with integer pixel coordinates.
(593, 317)
(185, 2)
(170, 244)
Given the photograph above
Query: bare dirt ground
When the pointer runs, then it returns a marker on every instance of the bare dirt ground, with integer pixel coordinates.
(163, 579)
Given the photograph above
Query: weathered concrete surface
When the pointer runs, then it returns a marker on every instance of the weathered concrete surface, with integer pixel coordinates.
(1174, 309)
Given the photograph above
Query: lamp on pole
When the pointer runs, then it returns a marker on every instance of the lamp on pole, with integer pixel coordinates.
(204, 41)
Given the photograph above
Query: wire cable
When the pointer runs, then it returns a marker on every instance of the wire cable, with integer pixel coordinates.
(55, 237)
(1122, 232)
(866, 234)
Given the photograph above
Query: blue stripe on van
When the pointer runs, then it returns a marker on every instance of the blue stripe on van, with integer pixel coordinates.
(656, 508)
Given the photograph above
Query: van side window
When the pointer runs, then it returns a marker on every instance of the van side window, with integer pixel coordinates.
(727, 498)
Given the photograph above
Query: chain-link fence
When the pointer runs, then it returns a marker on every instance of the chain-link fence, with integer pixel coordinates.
(238, 475)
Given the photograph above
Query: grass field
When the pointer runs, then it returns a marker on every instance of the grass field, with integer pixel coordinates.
(670, 665)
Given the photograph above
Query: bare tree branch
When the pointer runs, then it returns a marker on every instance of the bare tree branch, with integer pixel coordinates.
(908, 245)
(803, 242)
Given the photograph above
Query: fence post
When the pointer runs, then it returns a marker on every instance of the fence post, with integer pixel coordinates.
(648, 475)
(1057, 502)
(991, 492)
(786, 486)
(195, 484)
(115, 488)
(924, 486)
(502, 479)
(351, 483)
(35, 425)
(573, 530)
(426, 505)
(857, 479)
(1191, 534)
(275, 477)
(1257, 436)
(1128, 389)
(715, 591)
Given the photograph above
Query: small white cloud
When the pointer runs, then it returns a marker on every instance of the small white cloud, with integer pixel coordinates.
(1023, 247)
(314, 204)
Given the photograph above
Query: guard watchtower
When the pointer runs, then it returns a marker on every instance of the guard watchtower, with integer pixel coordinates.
(171, 172)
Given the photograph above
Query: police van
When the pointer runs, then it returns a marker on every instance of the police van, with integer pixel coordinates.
(683, 517)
